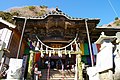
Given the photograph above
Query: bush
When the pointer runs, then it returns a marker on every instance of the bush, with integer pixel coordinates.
(31, 8)
(116, 18)
(15, 13)
(43, 6)
(42, 12)
(6, 16)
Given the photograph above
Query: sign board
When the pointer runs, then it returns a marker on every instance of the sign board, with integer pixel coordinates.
(118, 36)
(105, 58)
(15, 69)
(2, 46)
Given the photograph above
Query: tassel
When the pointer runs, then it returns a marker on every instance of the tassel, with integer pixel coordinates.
(31, 46)
(65, 52)
(76, 45)
(37, 46)
(71, 48)
(59, 53)
(53, 52)
(50, 54)
(41, 47)
(46, 50)
(42, 55)
(69, 54)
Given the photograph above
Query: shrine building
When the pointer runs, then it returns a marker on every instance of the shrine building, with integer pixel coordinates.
(56, 38)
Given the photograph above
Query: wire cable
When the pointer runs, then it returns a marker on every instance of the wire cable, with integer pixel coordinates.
(113, 8)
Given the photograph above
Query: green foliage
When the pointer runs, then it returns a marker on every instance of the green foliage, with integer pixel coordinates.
(20, 12)
(6, 16)
(16, 13)
(42, 12)
(43, 6)
(32, 8)
(116, 18)
(118, 24)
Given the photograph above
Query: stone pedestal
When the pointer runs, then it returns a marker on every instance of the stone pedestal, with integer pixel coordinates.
(106, 75)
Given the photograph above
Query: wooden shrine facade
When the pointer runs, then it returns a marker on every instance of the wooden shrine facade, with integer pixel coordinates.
(56, 29)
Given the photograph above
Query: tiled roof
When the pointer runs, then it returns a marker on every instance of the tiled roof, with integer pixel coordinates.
(7, 23)
(55, 14)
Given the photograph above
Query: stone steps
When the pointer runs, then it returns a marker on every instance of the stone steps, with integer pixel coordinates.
(58, 75)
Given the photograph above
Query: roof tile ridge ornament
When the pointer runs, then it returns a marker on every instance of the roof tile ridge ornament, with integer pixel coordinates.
(103, 34)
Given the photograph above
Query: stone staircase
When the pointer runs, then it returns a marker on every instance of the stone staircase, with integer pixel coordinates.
(58, 74)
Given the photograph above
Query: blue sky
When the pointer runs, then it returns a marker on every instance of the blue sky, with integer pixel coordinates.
(75, 8)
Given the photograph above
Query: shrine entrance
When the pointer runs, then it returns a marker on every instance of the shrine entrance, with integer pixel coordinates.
(57, 37)
(65, 62)
(56, 67)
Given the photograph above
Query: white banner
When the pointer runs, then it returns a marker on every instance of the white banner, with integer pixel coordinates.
(15, 69)
(105, 58)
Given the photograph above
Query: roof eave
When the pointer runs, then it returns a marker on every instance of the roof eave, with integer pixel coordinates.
(7, 23)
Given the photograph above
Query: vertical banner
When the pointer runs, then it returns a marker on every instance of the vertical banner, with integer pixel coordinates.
(24, 63)
(30, 66)
(79, 66)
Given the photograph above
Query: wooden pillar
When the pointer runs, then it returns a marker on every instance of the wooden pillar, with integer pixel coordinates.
(21, 38)
(89, 42)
